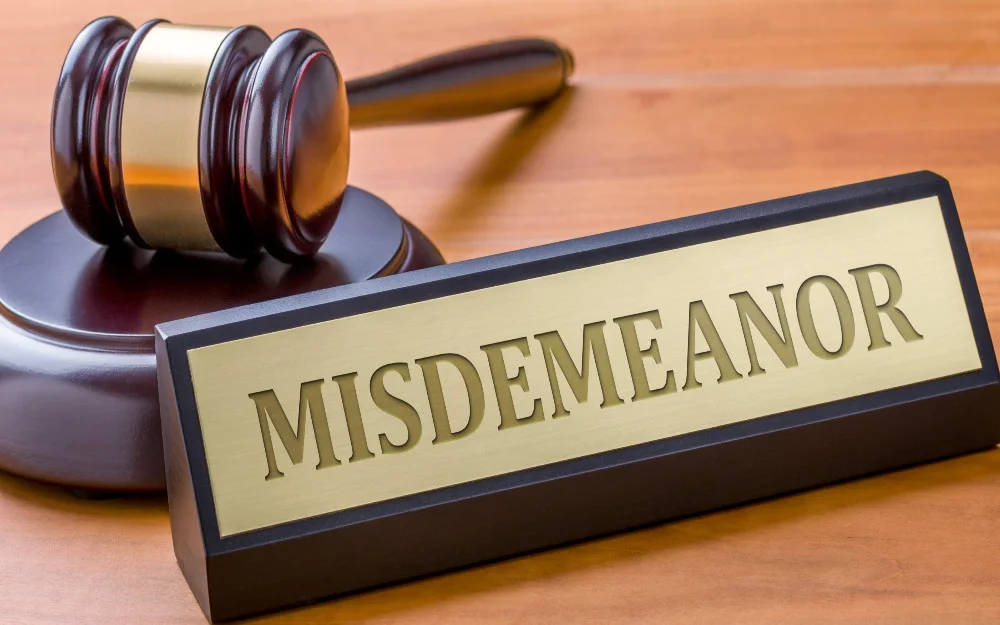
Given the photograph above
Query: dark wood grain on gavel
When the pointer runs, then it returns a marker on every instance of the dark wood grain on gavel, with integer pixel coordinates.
(273, 138)
(473, 81)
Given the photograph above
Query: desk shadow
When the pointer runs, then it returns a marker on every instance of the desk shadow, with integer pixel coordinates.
(79, 502)
(502, 160)
(398, 600)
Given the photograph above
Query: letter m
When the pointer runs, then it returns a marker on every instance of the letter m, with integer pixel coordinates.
(311, 402)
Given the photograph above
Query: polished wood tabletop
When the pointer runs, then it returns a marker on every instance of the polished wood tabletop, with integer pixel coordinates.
(679, 107)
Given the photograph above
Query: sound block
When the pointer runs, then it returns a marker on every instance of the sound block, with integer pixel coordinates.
(78, 392)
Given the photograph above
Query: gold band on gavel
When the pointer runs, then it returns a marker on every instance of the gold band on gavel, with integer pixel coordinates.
(159, 135)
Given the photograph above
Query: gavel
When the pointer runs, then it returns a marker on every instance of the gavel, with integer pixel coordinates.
(203, 138)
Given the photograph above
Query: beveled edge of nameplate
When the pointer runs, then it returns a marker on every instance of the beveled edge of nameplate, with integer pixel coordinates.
(176, 338)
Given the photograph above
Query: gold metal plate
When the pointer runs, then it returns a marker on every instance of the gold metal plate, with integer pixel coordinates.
(159, 135)
(432, 394)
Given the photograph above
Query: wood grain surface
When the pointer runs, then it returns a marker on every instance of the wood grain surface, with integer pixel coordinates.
(680, 107)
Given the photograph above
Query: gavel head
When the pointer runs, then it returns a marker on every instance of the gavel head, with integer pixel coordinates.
(199, 138)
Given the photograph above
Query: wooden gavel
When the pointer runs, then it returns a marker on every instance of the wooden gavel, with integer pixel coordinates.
(203, 138)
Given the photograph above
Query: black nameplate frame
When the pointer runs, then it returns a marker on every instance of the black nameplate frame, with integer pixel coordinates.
(733, 356)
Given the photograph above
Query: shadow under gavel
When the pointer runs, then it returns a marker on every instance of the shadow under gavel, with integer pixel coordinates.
(217, 139)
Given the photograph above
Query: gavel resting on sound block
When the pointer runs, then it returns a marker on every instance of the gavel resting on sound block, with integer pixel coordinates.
(191, 138)
(204, 138)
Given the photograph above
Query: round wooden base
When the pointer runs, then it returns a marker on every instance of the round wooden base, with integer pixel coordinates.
(78, 397)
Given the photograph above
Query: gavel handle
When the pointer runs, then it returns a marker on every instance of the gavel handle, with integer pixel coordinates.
(463, 83)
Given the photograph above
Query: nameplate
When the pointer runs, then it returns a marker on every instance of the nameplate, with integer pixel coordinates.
(803, 334)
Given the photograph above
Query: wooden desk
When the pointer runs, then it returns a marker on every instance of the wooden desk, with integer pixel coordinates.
(681, 106)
